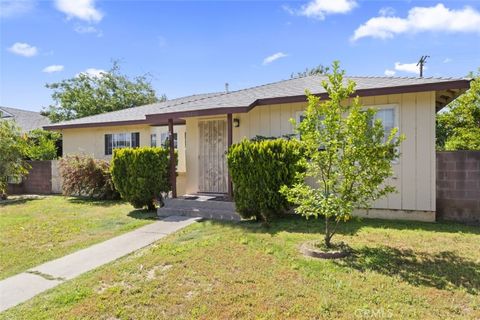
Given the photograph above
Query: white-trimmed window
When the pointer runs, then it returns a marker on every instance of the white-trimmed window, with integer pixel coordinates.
(121, 140)
(388, 114)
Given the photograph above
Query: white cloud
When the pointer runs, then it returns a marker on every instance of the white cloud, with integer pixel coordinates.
(447, 60)
(80, 9)
(318, 9)
(386, 11)
(23, 49)
(10, 8)
(92, 72)
(389, 73)
(420, 19)
(274, 57)
(53, 68)
(88, 29)
(408, 67)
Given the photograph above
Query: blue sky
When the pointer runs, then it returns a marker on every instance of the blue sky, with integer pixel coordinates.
(196, 46)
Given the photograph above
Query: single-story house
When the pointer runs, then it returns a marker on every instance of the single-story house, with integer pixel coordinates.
(207, 124)
(26, 120)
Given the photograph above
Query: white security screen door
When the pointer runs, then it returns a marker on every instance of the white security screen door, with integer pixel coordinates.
(212, 156)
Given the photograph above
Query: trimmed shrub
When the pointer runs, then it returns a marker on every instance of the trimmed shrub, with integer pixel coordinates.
(141, 174)
(258, 170)
(42, 144)
(85, 176)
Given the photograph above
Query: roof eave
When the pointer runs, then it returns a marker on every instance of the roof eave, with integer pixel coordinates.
(162, 118)
(461, 85)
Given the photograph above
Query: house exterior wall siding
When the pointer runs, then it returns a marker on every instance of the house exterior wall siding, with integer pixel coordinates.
(414, 173)
(90, 141)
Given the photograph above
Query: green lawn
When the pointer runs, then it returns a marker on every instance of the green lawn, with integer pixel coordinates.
(39, 230)
(400, 270)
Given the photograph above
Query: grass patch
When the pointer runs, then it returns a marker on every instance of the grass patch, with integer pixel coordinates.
(33, 231)
(221, 270)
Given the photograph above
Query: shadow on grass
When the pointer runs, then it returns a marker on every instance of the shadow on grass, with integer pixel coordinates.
(18, 200)
(143, 214)
(441, 270)
(96, 202)
(298, 224)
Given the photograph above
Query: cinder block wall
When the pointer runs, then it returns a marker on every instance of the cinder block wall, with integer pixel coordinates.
(458, 186)
(38, 181)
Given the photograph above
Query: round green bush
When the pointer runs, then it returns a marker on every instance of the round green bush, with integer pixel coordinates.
(258, 170)
(141, 174)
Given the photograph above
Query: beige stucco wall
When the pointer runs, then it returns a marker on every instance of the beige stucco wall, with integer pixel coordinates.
(56, 178)
(91, 141)
(414, 175)
(180, 131)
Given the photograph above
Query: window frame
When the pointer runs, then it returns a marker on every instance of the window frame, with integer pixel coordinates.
(396, 114)
(132, 140)
(396, 121)
(393, 106)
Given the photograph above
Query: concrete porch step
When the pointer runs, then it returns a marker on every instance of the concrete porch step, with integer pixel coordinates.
(199, 206)
(207, 214)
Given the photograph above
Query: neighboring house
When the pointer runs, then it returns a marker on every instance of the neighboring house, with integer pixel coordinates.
(26, 120)
(212, 122)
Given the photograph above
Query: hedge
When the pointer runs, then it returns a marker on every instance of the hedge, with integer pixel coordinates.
(258, 170)
(141, 175)
(88, 177)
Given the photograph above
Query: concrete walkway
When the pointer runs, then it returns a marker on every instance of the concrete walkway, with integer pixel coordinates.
(26, 285)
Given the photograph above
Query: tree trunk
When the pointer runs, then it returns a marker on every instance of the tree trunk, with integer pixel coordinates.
(328, 236)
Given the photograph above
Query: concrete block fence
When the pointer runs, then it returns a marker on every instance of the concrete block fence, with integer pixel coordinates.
(458, 186)
(43, 178)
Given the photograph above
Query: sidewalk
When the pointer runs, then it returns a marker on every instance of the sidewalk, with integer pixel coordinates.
(26, 285)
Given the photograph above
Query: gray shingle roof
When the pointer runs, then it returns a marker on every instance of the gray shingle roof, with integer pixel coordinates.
(294, 87)
(26, 120)
(135, 113)
(247, 97)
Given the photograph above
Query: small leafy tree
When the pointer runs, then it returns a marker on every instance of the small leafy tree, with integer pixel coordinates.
(13, 148)
(348, 156)
(42, 144)
(86, 94)
(458, 128)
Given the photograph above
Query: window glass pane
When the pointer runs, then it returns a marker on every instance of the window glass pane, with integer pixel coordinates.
(123, 140)
(108, 144)
(127, 140)
(134, 139)
(163, 138)
(153, 140)
(387, 116)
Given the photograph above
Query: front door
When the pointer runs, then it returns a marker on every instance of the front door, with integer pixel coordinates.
(212, 158)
